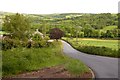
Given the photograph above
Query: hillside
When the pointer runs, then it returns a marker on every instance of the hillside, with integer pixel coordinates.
(68, 21)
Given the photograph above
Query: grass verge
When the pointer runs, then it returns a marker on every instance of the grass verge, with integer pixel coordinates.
(19, 60)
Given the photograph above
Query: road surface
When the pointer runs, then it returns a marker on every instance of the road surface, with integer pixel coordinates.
(103, 67)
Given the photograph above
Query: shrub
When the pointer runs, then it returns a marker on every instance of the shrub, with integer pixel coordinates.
(103, 51)
(7, 44)
(36, 37)
(46, 38)
(38, 41)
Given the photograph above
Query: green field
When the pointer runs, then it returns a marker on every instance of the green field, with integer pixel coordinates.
(95, 46)
(96, 42)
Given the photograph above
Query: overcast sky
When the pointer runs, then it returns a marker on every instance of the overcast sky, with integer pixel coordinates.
(59, 6)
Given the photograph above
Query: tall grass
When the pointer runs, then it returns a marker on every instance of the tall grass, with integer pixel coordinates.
(19, 60)
(76, 67)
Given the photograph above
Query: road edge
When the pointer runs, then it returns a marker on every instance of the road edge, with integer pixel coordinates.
(92, 72)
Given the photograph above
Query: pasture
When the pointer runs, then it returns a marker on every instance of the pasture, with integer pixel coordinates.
(100, 47)
(96, 42)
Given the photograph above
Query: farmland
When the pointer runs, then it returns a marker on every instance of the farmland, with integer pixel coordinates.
(95, 46)
(113, 44)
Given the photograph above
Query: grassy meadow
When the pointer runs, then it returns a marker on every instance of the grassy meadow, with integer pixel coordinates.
(113, 44)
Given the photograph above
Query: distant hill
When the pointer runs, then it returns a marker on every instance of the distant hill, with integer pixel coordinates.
(57, 16)
(47, 16)
(96, 21)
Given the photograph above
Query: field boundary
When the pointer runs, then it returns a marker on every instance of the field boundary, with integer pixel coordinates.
(88, 53)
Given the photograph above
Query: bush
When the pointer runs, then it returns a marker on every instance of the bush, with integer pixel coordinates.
(46, 38)
(103, 51)
(38, 41)
(37, 37)
(7, 44)
(39, 44)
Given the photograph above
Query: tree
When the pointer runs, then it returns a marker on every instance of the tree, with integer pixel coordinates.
(44, 27)
(81, 34)
(18, 25)
(95, 33)
(108, 34)
(87, 30)
(56, 33)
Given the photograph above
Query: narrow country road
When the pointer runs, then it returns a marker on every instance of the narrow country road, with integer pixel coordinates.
(103, 67)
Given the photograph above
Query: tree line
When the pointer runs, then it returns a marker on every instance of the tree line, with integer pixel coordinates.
(87, 25)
